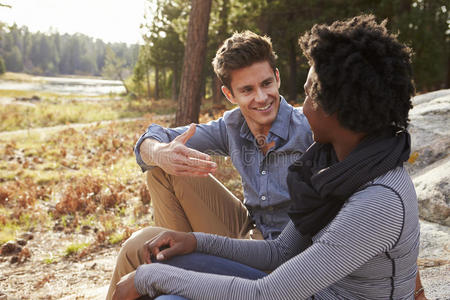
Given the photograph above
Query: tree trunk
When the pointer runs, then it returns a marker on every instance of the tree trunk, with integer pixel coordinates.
(164, 83)
(127, 91)
(147, 72)
(216, 84)
(194, 59)
(156, 82)
(175, 81)
(217, 92)
(203, 87)
(292, 95)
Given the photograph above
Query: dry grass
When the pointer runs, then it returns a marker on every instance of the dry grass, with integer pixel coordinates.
(75, 179)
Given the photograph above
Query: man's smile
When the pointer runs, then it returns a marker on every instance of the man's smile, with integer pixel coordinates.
(264, 108)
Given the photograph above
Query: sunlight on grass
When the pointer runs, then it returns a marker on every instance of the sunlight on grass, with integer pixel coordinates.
(21, 77)
(115, 238)
(8, 233)
(75, 248)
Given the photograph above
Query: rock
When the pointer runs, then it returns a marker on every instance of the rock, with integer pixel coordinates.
(433, 192)
(417, 100)
(85, 229)
(14, 259)
(34, 98)
(434, 260)
(58, 227)
(430, 133)
(3, 296)
(430, 142)
(10, 248)
(21, 242)
(27, 236)
(434, 241)
(435, 282)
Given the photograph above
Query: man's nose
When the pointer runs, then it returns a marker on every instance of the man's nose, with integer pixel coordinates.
(261, 95)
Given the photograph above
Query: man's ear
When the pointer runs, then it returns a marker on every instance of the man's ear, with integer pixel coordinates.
(228, 94)
(277, 76)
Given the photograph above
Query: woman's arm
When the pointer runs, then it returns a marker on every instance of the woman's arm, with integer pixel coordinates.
(355, 236)
(263, 255)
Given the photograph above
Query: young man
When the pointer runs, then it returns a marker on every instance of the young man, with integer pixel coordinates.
(263, 136)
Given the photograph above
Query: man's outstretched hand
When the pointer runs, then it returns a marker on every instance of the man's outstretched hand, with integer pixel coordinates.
(168, 244)
(177, 159)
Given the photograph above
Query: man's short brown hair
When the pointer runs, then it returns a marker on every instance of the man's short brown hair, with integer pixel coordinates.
(242, 50)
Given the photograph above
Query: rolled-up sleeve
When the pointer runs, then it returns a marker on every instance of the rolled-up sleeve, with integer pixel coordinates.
(210, 138)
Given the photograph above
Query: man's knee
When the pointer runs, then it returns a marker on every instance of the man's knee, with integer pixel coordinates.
(130, 253)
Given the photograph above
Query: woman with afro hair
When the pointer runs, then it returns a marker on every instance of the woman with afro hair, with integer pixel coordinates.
(354, 230)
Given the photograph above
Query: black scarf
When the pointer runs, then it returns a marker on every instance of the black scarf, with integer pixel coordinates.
(319, 184)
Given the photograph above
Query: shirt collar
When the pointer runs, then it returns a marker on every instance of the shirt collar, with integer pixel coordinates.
(280, 127)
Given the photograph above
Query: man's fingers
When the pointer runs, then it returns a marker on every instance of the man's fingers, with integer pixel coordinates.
(189, 152)
(185, 170)
(183, 138)
(180, 162)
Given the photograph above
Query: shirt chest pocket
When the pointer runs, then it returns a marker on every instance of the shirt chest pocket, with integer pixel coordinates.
(278, 163)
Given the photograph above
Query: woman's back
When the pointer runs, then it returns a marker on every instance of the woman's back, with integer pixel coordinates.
(391, 271)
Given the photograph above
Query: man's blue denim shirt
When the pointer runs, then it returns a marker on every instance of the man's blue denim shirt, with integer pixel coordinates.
(263, 176)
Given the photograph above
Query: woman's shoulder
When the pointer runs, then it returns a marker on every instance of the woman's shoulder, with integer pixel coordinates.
(396, 180)
(393, 190)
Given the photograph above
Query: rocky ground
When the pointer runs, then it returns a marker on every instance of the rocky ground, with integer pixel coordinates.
(38, 275)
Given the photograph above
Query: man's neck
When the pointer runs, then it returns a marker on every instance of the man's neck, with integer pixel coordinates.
(260, 134)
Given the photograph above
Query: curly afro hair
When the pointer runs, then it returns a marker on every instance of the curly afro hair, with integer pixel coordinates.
(363, 73)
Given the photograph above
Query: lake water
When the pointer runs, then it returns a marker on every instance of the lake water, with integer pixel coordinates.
(66, 86)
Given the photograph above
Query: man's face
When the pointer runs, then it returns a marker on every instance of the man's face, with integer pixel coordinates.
(255, 90)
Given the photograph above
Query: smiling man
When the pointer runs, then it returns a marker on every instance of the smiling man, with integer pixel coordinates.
(263, 136)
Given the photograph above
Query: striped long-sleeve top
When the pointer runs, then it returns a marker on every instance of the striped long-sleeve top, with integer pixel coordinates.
(368, 251)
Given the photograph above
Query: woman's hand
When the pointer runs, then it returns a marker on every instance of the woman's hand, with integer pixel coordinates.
(125, 289)
(168, 244)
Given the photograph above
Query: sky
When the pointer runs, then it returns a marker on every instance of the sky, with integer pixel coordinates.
(109, 20)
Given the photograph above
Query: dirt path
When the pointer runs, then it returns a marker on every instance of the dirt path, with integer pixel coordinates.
(54, 129)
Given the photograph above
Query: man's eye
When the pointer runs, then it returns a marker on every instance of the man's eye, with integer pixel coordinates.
(267, 83)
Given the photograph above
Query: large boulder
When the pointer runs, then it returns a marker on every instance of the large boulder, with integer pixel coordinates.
(434, 259)
(433, 192)
(430, 165)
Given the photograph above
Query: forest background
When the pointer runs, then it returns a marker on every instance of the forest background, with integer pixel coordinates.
(154, 69)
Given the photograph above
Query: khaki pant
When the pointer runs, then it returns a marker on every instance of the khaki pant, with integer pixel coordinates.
(200, 204)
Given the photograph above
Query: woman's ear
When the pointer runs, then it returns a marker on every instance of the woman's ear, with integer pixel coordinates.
(228, 94)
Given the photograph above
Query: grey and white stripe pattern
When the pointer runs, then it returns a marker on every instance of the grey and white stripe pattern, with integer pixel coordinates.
(368, 251)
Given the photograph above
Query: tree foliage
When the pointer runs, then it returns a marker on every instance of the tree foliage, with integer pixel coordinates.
(422, 24)
(52, 53)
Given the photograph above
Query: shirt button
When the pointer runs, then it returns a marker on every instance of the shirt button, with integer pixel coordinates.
(263, 198)
(264, 172)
